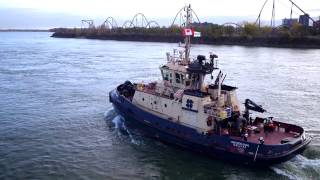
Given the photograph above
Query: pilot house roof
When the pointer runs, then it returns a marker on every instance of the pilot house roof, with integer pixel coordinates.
(175, 67)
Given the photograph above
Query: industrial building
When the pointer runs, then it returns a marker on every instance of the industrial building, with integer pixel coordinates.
(289, 22)
(304, 20)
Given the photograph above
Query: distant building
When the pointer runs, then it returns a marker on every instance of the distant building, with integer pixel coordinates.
(304, 20)
(289, 22)
(316, 24)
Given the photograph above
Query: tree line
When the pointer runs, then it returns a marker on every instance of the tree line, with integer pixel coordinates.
(248, 34)
(247, 30)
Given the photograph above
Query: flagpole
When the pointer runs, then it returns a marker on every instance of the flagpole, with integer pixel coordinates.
(187, 38)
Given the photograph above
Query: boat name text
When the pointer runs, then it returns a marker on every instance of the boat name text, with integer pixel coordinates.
(239, 144)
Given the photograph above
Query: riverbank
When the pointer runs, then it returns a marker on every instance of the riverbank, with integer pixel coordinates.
(174, 36)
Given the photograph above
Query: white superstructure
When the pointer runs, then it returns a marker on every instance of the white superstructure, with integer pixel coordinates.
(183, 97)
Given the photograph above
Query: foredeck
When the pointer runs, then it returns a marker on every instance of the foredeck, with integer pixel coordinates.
(151, 89)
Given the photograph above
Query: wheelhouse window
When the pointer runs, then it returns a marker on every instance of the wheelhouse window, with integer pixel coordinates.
(178, 78)
(170, 79)
(182, 79)
(165, 75)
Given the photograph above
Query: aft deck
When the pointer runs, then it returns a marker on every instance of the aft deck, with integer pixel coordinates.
(282, 133)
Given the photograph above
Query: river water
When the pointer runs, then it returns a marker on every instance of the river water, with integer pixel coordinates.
(56, 121)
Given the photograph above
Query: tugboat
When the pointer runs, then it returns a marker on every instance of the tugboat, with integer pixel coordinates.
(183, 110)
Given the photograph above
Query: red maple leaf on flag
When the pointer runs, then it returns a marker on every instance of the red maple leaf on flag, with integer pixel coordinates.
(187, 32)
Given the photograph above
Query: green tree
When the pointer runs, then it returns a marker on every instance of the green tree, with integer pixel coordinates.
(228, 30)
(283, 32)
(265, 30)
(298, 30)
(251, 30)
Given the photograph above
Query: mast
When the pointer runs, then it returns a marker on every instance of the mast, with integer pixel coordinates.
(187, 39)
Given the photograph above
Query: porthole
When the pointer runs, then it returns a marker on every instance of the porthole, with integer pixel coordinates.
(165, 105)
(155, 102)
(142, 99)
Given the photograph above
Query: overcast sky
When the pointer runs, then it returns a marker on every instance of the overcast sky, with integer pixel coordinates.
(51, 13)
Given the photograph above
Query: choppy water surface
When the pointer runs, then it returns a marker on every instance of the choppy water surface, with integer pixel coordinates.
(56, 121)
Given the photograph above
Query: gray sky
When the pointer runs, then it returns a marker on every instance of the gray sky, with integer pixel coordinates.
(53, 13)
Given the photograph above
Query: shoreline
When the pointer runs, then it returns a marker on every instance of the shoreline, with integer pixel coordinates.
(277, 42)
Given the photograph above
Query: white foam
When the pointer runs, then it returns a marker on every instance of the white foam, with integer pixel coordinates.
(109, 113)
(315, 134)
(119, 124)
(313, 131)
(284, 173)
(303, 161)
(117, 121)
(133, 141)
(295, 168)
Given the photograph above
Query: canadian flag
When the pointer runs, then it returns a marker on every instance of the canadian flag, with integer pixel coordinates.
(188, 32)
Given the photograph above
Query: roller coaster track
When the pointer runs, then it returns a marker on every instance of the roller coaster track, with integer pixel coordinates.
(149, 25)
(135, 20)
(235, 28)
(88, 22)
(182, 17)
(127, 24)
(110, 23)
(141, 21)
(273, 12)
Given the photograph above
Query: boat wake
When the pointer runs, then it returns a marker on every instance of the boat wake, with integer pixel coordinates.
(314, 133)
(117, 123)
(299, 167)
(283, 172)
(120, 125)
(109, 115)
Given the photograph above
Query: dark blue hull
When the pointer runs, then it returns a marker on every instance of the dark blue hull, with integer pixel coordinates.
(216, 146)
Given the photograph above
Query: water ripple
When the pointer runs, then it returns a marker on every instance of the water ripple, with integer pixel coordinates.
(56, 121)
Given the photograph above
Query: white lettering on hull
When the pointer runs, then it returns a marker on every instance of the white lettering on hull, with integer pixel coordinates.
(239, 144)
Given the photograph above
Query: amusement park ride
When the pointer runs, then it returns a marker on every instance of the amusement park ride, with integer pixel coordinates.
(273, 18)
(139, 20)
